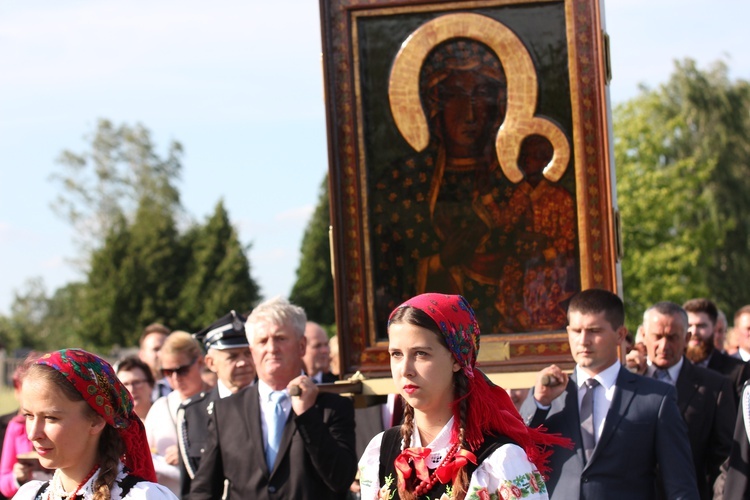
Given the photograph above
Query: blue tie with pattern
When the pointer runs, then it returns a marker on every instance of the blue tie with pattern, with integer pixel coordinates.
(275, 427)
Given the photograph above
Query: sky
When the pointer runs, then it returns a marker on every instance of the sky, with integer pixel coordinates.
(239, 84)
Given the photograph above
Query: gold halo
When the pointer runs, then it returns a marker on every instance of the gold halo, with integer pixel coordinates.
(520, 122)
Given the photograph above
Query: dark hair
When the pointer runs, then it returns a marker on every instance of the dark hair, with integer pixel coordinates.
(129, 363)
(597, 300)
(666, 308)
(742, 310)
(417, 317)
(702, 306)
(154, 328)
(111, 447)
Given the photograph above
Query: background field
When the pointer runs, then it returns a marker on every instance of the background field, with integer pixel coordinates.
(7, 400)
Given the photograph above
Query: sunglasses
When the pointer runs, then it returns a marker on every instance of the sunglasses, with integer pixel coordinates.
(181, 371)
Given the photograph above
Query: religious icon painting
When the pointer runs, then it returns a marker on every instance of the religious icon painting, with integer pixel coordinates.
(469, 150)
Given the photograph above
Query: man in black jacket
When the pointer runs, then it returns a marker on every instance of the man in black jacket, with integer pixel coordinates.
(228, 356)
(701, 350)
(281, 437)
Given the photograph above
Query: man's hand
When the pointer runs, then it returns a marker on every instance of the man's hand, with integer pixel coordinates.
(308, 393)
(550, 383)
(635, 360)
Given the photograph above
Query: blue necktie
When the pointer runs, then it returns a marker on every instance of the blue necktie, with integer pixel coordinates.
(275, 427)
(663, 375)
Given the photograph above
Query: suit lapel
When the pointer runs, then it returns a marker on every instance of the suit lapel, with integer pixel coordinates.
(625, 389)
(253, 425)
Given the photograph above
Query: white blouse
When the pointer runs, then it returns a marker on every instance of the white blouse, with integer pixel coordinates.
(506, 473)
(142, 490)
(161, 432)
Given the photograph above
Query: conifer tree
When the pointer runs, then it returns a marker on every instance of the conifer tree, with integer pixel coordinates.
(218, 273)
(313, 289)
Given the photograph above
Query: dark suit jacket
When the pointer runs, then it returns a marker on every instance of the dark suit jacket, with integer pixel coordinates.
(192, 431)
(706, 402)
(736, 370)
(316, 459)
(643, 431)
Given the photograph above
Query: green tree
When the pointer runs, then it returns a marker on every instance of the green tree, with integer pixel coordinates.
(682, 161)
(218, 273)
(313, 289)
(41, 322)
(135, 278)
(23, 327)
(122, 199)
(111, 179)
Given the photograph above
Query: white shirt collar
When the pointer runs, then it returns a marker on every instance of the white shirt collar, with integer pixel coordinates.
(674, 370)
(606, 377)
(264, 391)
(224, 391)
(442, 440)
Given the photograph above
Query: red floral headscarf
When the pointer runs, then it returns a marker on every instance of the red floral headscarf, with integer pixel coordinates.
(96, 381)
(490, 410)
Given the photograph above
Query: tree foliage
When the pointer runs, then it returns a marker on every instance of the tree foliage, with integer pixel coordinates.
(313, 289)
(122, 198)
(110, 180)
(683, 173)
(42, 322)
(218, 273)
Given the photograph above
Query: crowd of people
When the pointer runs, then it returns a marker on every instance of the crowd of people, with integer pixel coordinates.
(235, 411)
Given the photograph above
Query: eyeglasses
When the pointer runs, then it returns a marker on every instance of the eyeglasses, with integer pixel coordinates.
(181, 371)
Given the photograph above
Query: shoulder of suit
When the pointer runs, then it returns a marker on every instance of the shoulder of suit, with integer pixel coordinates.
(710, 377)
(196, 400)
(643, 383)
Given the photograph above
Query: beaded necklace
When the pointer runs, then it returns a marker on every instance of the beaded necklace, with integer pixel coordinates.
(58, 490)
(426, 485)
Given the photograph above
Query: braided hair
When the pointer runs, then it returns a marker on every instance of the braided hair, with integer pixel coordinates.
(110, 447)
(460, 484)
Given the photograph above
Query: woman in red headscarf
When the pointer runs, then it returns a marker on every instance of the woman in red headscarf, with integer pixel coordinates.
(81, 421)
(461, 436)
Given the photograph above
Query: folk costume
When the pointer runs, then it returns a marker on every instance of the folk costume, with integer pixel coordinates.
(96, 381)
(502, 456)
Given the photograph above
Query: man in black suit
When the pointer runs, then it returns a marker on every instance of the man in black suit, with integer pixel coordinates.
(626, 429)
(228, 356)
(701, 350)
(267, 442)
(317, 356)
(704, 397)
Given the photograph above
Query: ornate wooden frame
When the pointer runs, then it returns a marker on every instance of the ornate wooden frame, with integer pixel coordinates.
(352, 54)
